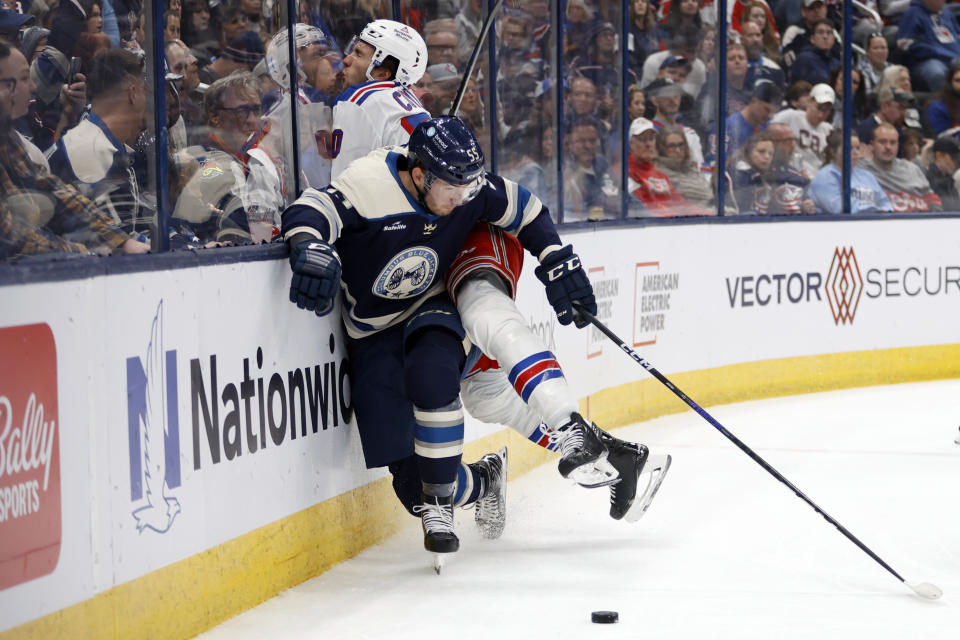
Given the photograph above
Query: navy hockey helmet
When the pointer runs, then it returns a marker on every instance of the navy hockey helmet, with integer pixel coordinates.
(446, 148)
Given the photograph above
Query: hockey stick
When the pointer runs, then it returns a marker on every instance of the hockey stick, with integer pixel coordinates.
(923, 589)
(455, 106)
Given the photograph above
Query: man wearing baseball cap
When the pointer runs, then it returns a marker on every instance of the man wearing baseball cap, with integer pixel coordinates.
(891, 108)
(650, 185)
(753, 118)
(811, 126)
(667, 95)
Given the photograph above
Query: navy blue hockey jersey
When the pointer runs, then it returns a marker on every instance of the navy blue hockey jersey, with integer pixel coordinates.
(394, 253)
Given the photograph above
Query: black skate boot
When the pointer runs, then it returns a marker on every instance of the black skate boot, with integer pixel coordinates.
(583, 456)
(631, 460)
(490, 511)
(436, 515)
(628, 459)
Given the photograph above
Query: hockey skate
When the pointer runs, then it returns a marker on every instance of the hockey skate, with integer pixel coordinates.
(632, 461)
(490, 511)
(436, 516)
(583, 456)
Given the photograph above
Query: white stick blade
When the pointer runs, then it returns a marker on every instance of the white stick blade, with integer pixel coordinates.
(926, 590)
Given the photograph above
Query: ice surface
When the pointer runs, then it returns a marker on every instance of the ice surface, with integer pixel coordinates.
(725, 551)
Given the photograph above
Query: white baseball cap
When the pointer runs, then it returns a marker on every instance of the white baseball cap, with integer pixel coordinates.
(640, 125)
(823, 94)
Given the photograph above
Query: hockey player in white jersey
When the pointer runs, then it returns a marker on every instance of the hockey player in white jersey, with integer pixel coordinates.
(389, 55)
(377, 108)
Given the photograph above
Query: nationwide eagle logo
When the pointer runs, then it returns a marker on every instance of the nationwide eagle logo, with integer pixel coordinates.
(408, 274)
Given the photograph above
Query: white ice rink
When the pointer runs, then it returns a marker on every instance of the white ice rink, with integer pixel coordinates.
(725, 552)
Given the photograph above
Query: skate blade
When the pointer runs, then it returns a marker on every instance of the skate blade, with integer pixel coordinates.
(656, 468)
(598, 474)
(438, 562)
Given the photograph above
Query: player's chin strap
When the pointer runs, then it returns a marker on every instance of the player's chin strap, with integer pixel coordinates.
(428, 179)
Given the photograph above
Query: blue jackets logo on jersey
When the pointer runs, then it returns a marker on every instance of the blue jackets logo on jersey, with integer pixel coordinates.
(408, 274)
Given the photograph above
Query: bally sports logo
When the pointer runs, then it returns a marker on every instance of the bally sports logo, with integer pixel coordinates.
(30, 516)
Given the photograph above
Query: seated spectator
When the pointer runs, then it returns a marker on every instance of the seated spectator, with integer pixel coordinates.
(445, 79)
(39, 213)
(903, 181)
(96, 155)
(826, 190)
(929, 36)
(601, 61)
(815, 63)
(707, 51)
(754, 194)
(647, 183)
(674, 161)
(590, 192)
(738, 91)
(580, 16)
(898, 77)
(233, 24)
(760, 14)
(171, 25)
(525, 162)
(195, 28)
(683, 43)
(891, 109)
(443, 44)
(910, 145)
(789, 184)
(943, 112)
(811, 128)
(680, 14)
(759, 65)
(944, 172)
(752, 119)
(636, 102)
(796, 38)
(183, 63)
(643, 36)
(59, 100)
(861, 109)
(583, 102)
(242, 54)
(32, 42)
(88, 46)
(666, 96)
(875, 61)
(798, 95)
(232, 190)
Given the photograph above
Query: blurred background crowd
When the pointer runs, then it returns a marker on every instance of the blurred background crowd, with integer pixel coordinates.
(602, 110)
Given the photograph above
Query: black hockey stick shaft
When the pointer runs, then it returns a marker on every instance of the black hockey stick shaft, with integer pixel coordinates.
(740, 445)
(455, 106)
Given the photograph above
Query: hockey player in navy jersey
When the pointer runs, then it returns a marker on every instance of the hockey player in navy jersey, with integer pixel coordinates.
(386, 231)
(384, 57)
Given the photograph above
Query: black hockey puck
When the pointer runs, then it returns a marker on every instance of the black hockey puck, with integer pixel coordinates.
(604, 617)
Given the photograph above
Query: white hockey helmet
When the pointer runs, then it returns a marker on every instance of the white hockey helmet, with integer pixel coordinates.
(278, 56)
(390, 38)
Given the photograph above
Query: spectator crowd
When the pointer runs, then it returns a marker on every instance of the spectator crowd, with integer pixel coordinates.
(78, 150)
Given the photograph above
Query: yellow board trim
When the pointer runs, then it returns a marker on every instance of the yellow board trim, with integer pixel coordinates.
(195, 594)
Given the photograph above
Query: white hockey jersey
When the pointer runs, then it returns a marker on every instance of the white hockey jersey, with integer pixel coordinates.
(369, 116)
(811, 141)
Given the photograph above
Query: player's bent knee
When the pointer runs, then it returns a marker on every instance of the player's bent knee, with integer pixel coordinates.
(432, 366)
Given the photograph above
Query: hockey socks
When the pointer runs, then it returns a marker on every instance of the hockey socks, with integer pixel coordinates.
(438, 445)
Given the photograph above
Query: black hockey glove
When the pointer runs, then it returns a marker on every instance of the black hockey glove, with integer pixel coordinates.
(316, 276)
(566, 283)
